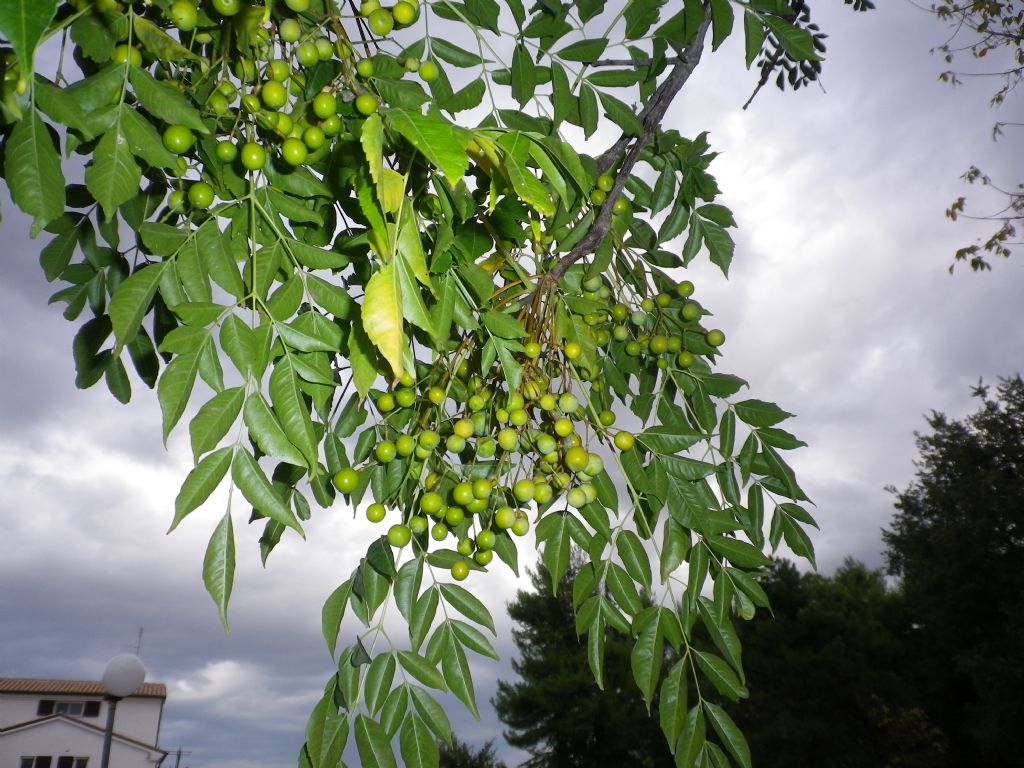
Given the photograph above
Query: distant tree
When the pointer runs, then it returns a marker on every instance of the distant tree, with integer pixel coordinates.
(462, 755)
(556, 711)
(824, 671)
(957, 544)
(991, 32)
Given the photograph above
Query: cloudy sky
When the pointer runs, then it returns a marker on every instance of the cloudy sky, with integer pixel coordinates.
(839, 308)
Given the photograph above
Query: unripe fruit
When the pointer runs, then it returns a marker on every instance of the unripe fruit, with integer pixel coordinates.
(576, 459)
(386, 402)
(332, 126)
(125, 54)
(366, 104)
(375, 512)
(299, 6)
(455, 444)
(486, 539)
(462, 494)
(607, 418)
(176, 200)
(368, 6)
(183, 15)
(324, 48)
(226, 7)
(428, 70)
(178, 139)
(290, 30)
(622, 206)
(429, 439)
(418, 524)
(453, 516)
(572, 350)
(597, 197)
(226, 151)
(324, 105)
(381, 22)
(436, 395)
(399, 535)
(483, 556)
(482, 488)
(548, 402)
(691, 311)
(563, 427)
(542, 493)
(567, 402)
(463, 428)
(313, 137)
(431, 502)
(521, 526)
(605, 182)
(460, 570)
(685, 288)
(715, 337)
(405, 445)
(465, 547)
(253, 156)
(200, 195)
(576, 498)
(404, 13)
(274, 95)
(508, 439)
(439, 531)
(405, 396)
(385, 451)
(545, 444)
(523, 490)
(364, 68)
(505, 518)
(307, 54)
(346, 480)
(624, 441)
(647, 305)
(685, 359)
(294, 152)
(532, 350)
(519, 417)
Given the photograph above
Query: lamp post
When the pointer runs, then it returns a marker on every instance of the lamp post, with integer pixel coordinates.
(122, 677)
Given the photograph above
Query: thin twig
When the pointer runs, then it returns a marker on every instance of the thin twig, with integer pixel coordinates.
(650, 118)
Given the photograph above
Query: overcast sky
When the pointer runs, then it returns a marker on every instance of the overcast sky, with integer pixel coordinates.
(839, 308)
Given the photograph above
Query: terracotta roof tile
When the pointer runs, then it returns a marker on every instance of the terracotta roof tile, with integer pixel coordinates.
(33, 685)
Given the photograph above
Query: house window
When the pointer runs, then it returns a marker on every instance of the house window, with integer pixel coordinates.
(73, 708)
(36, 762)
(72, 762)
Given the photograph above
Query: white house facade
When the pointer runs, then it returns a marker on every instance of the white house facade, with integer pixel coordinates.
(60, 724)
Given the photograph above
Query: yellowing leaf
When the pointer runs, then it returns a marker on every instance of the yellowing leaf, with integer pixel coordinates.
(391, 190)
(382, 316)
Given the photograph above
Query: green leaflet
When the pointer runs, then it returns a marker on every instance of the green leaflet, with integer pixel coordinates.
(23, 22)
(219, 566)
(200, 483)
(253, 484)
(373, 744)
(434, 137)
(113, 177)
(33, 171)
(165, 101)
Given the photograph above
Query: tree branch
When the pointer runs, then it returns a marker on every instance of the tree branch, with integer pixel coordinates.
(650, 118)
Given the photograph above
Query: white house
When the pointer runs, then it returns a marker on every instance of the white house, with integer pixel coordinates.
(60, 724)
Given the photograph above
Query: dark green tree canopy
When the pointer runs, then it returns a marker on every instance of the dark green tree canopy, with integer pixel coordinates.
(957, 544)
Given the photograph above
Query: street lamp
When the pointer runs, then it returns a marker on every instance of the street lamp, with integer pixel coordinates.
(122, 677)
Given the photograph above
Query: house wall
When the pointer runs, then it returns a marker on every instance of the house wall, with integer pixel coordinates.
(136, 717)
(57, 738)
